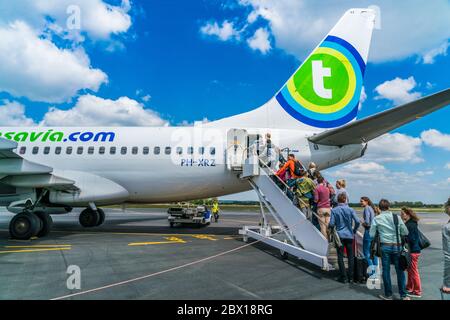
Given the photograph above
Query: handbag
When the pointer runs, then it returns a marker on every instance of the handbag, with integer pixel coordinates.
(334, 238)
(423, 241)
(405, 256)
(375, 246)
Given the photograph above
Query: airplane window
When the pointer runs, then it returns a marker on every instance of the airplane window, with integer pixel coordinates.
(46, 150)
(35, 150)
(157, 150)
(135, 150)
(101, 150)
(201, 150)
(190, 150)
(112, 150)
(179, 150)
(168, 150)
(146, 150)
(80, 150)
(69, 150)
(123, 150)
(212, 151)
(58, 150)
(91, 150)
(23, 150)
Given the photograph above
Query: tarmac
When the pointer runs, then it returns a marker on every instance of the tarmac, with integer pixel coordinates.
(136, 255)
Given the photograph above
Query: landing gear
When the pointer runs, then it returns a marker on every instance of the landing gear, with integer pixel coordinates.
(101, 214)
(46, 223)
(92, 218)
(24, 226)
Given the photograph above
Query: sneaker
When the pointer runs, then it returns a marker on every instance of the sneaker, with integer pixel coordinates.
(383, 297)
(413, 295)
(405, 298)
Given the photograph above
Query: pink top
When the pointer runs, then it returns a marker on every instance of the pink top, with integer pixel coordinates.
(322, 196)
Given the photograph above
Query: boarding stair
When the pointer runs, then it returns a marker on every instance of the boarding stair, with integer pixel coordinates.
(294, 234)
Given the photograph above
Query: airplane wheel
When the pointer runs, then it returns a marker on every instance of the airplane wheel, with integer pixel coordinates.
(24, 226)
(89, 218)
(46, 223)
(101, 215)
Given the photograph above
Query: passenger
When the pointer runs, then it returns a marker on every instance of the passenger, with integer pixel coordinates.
(305, 192)
(390, 248)
(340, 185)
(322, 199)
(346, 222)
(413, 286)
(312, 169)
(267, 151)
(369, 214)
(294, 166)
(446, 249)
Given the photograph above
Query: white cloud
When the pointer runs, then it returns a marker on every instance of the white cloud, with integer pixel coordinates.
(407, 148)
(430, 56)
(437, 139)
(299, 25)
(260, 41)
(12, 114)
(95, 111)
(362, 98)
(377, 181)
(99, 20)
(398, 90)
(224, 32)
(37, 69)
(447, 166)
(146, 98)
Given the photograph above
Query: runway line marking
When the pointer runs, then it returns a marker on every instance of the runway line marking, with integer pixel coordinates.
(156, 273)
(205, 237)
(34, 250)
(41, 246)
(170, 240)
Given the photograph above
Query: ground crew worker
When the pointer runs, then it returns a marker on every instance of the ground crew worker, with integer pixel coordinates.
(215, 210)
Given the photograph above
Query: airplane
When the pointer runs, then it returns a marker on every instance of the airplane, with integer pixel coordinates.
(46, 171)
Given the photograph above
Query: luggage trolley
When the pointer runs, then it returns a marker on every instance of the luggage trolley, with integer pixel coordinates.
(200, 216)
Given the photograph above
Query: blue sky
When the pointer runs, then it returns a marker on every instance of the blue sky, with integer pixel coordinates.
(175, 62)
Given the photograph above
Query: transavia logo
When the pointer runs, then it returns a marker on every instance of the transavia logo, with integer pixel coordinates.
(325, 91)
(58, 136)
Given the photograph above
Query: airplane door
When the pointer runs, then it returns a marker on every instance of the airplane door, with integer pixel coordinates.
(236, 146)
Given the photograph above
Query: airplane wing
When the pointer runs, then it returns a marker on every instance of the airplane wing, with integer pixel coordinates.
(364, 130)
(18, 172)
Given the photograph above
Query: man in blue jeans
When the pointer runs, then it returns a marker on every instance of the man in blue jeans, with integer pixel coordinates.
(347, 223)
(390, 249)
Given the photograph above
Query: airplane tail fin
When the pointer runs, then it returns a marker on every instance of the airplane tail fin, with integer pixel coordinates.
(324, 92)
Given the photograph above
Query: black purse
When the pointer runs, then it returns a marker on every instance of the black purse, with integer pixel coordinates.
(423, 241)
(405, 256)
(375, 246)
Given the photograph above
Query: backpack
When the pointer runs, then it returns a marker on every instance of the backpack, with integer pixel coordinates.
(298, 168)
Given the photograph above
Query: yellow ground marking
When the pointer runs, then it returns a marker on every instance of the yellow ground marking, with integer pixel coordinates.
(170, 240)
(42, 246)
(205, 237)
(34, 250)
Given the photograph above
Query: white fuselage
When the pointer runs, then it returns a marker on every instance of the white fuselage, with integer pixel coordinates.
(149, 176)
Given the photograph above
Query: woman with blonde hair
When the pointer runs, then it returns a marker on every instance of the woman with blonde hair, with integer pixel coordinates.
(340, 186)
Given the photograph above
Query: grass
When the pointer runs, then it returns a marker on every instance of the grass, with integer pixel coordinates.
(253, 208)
